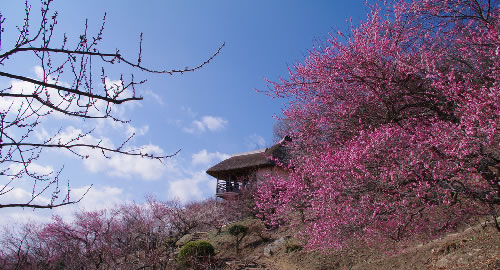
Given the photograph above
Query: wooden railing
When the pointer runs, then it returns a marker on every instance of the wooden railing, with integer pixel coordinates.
(223, 187)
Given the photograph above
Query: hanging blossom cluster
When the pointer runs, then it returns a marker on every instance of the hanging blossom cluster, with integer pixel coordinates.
(395, 127)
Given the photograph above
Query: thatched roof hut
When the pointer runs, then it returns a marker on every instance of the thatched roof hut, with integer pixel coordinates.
(245, 163)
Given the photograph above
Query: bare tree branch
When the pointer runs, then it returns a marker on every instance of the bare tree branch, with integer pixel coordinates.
(65, 84)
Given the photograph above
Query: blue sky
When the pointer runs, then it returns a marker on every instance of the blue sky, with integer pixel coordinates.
(208, 114)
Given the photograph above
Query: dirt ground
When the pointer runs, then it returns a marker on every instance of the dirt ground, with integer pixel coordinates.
(474, 247)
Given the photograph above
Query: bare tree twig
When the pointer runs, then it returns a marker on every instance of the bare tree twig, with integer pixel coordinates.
(65, 84)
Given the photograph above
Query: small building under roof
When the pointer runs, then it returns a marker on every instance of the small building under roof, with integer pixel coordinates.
(241, 169)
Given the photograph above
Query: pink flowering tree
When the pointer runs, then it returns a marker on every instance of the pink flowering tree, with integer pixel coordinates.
(212, 213)
(88, 242)
(16, 246)
(130, 236)
(395, 126)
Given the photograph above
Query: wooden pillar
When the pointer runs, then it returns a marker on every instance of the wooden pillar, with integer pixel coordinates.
(216, 189)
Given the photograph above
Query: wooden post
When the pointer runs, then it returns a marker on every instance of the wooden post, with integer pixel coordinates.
(216, 189)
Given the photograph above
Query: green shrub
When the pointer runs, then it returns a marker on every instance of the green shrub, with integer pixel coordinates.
(238, 231)
(292, 248)
(205, 248)
(195, 252)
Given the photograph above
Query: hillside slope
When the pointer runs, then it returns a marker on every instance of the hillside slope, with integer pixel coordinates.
(476, 247)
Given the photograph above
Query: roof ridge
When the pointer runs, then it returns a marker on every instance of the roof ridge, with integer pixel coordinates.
(250, 152)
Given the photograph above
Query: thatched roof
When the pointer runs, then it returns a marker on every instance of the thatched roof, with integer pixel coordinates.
(244, 163)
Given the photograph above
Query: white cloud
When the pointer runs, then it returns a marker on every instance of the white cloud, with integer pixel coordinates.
(203, 157)
(49, 94)
(190, 188)
(19, 216)
(189, 111)
(213, 123)
(97, 198)
(210, 123)
(66, 100)
(114, 88)
(114, 164)
(157, 98)
(19, 195)
(16, 215)
(131, 130)
(128, 166)
(32, 167)
(255, 141)
(192, 182)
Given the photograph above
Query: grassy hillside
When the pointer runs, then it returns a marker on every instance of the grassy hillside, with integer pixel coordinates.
(474, 247)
